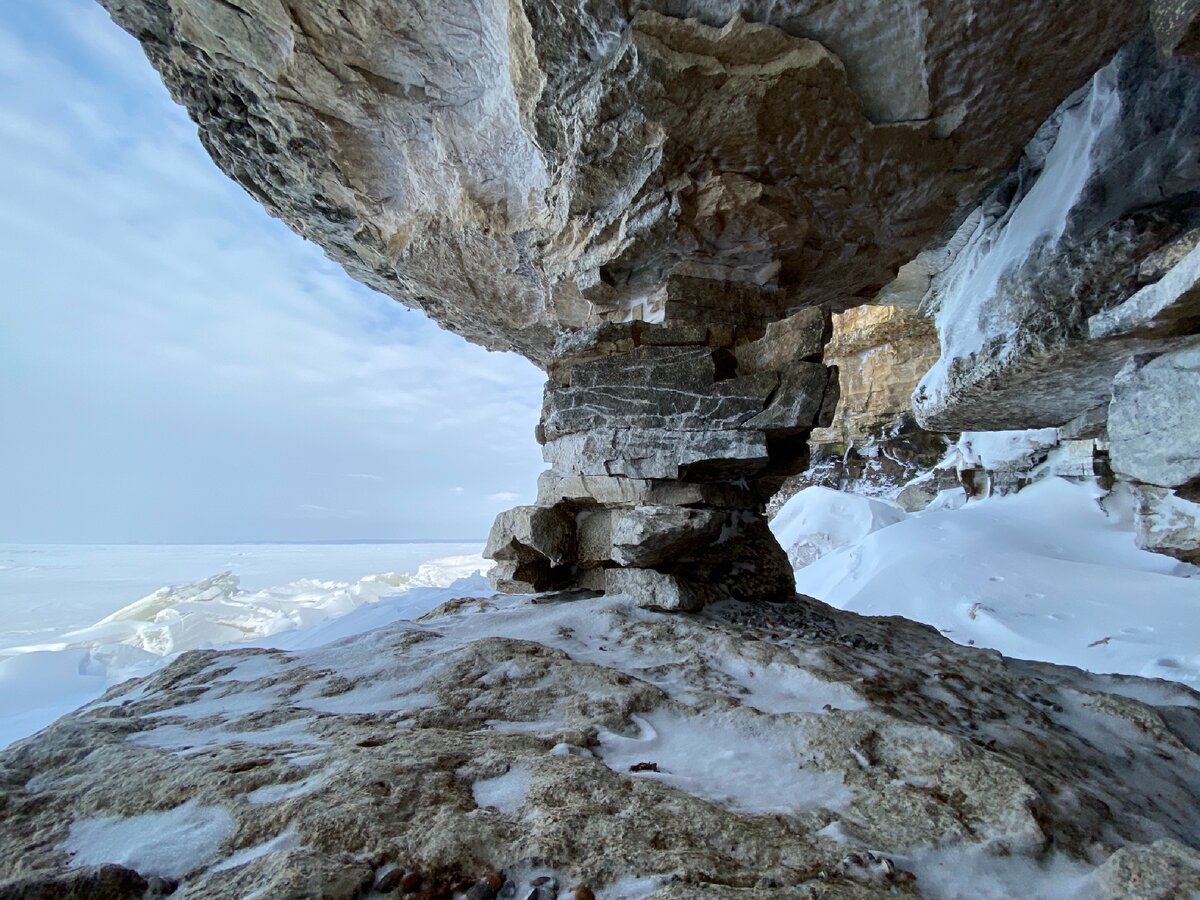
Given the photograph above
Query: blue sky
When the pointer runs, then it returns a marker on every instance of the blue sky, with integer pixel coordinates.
(176, 366)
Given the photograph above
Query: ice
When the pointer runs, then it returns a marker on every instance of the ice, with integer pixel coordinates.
(970, 316)
(951, 873)
(170, 844)
(288, 840)
(745, 763)
(505, 792)
(66, 669)
(1044, 574)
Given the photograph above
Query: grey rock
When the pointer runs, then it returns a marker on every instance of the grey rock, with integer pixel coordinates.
(517, 171)
(529, 533)
(1161, 871)
(797, 402)
(798, 337)
(646, 536)
(107, 882)
(932, 744)
(655, 453)
(554, 488)
(1166, 523)
(658, 590)
(1046, 289)
(654, 387)
(1154, 419)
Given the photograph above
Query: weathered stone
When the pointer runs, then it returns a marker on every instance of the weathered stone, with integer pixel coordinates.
(1043, 297)
(526, 533)
(798, 337)
(527, 577)
(595, 529)
(925, 744)
(609, 489)
(672, 388)
(796, 404)
(658, 590)
(1166, 523)
(1154, 420)
(1161, 871)
(519, 170)
(650, 453)
(880, 353)
(652, 535)
(107, 882)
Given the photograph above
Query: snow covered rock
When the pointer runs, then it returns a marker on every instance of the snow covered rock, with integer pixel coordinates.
(1081, 258)
(788, 748)
(1167, 523)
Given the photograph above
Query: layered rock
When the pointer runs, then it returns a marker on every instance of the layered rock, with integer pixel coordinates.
(1082, 258)
(790, 751)
(873, 446)
(664, 443)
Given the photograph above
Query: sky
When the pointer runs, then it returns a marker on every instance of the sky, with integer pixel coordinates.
(178, 367)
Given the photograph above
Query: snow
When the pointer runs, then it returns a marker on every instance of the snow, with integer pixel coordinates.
(995, 449)
(505, 792)
(747, 764)
(951, 873)
(1044, 574)
(287, 840)
(170, 844)
(818, 520)
(70, 666)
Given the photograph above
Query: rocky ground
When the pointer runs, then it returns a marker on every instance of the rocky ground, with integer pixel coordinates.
(576, 745)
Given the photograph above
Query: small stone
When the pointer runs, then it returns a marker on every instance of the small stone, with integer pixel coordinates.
(411, 883)
(583, 892)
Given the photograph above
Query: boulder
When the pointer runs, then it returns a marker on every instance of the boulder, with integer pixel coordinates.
(1166, 523)
(647, 536)
(1154, 419)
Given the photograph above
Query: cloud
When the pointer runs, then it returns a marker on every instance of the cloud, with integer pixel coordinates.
(504, 496)
(186, 368)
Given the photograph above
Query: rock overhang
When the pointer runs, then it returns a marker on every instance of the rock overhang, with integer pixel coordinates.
(521, 170)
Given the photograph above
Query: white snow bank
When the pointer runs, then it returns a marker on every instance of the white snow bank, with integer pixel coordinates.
(1043, 574)
(995, 449)
(819, 520)
(169, 844)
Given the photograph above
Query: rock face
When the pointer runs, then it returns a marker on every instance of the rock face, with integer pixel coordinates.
(664, 444)
(523, 169)
(1085, 256)
(873, 446)
(783, 750)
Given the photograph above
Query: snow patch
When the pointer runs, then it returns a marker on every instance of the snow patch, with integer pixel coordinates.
(745, 763)
(170, 844)
(505, 792)
(819, 520)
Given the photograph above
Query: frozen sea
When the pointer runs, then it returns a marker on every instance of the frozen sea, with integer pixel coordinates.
(75, 619)
(48, 589)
